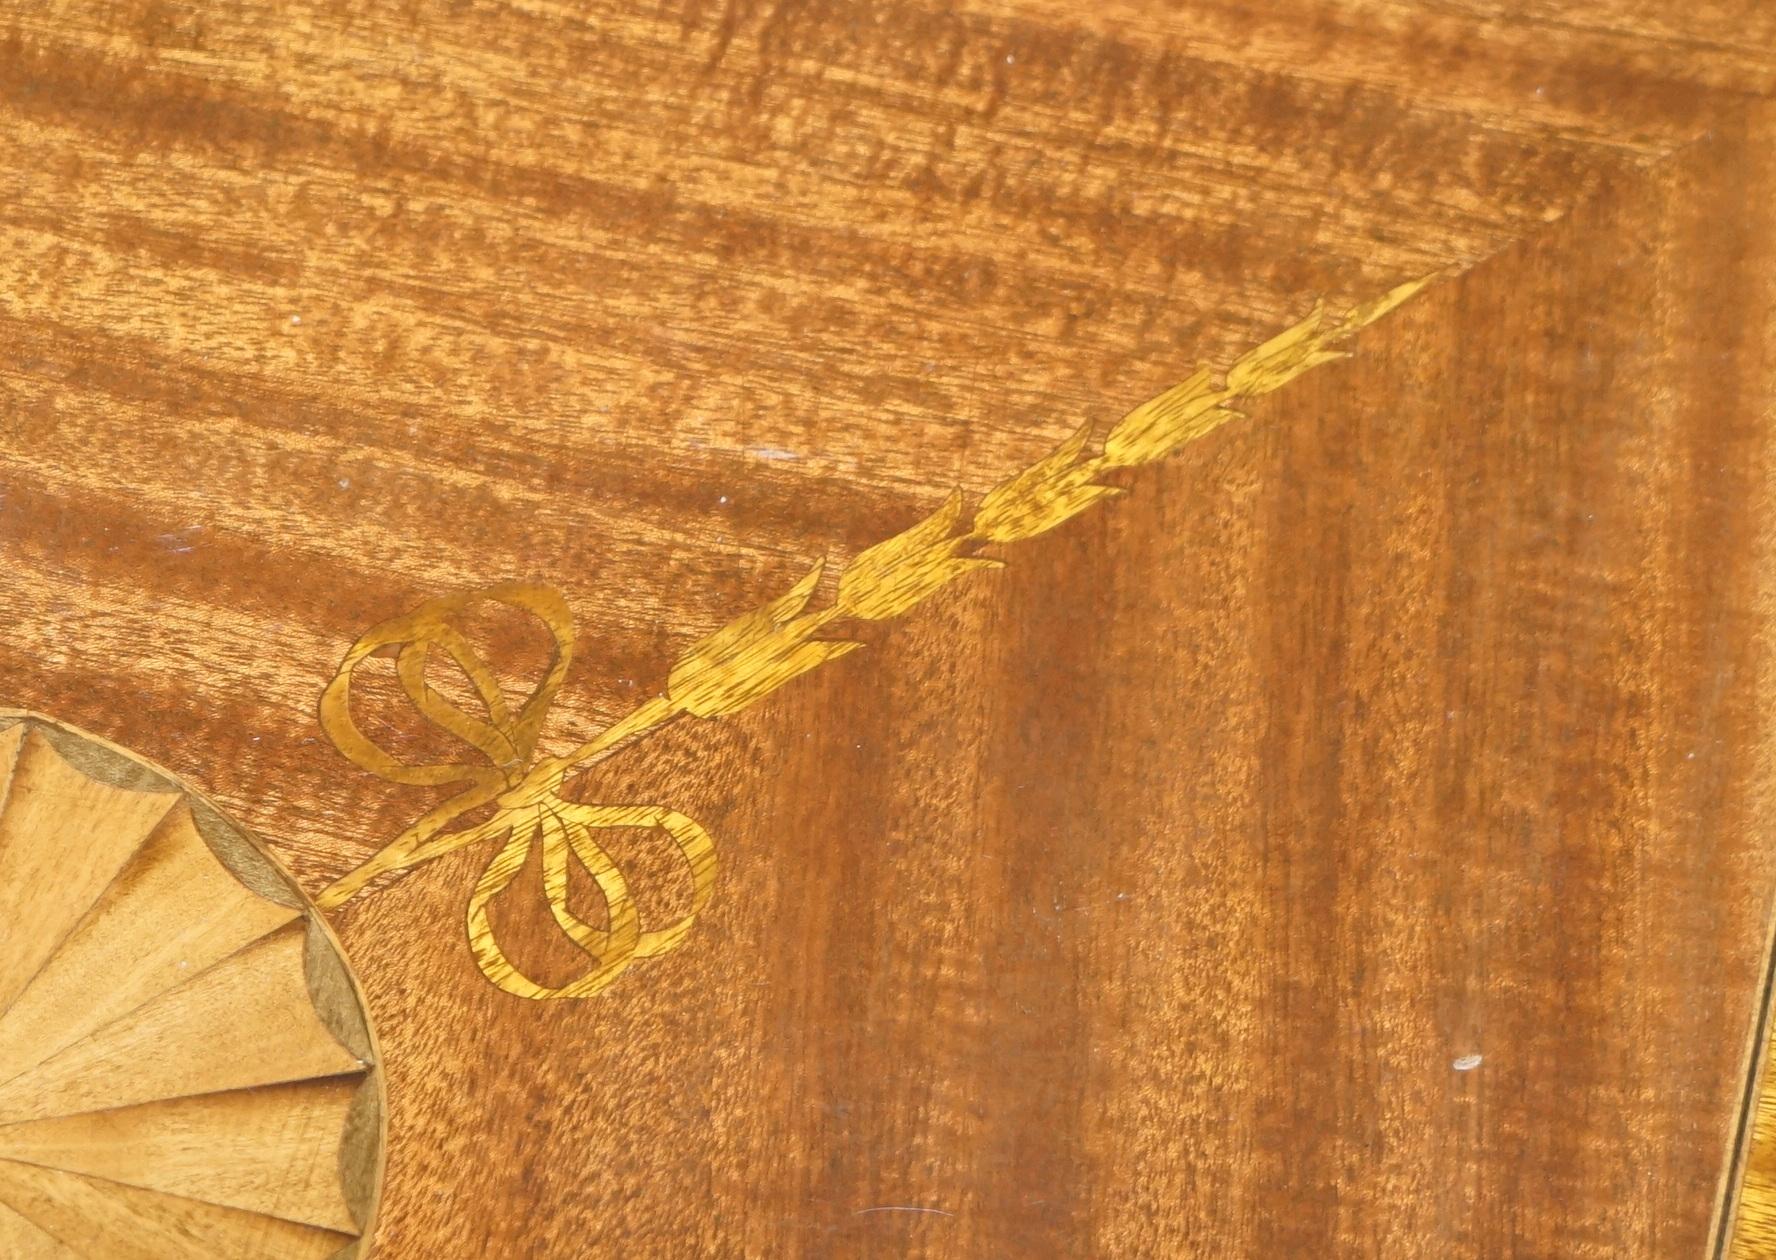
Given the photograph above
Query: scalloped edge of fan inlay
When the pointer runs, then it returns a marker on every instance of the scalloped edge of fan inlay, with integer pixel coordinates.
(187, 1066)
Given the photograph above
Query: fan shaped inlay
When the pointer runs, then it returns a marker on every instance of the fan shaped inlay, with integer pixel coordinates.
(186, 1068)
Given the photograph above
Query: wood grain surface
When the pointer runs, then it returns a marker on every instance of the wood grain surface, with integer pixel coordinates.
(185, 1066)
(1140, 899)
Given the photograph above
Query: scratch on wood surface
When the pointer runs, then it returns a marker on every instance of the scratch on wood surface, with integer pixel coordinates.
(896, 1207)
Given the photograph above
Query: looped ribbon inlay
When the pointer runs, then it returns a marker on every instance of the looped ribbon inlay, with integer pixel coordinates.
(524, 790)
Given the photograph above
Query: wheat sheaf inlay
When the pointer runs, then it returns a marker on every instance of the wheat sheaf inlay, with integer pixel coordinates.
(730, 670)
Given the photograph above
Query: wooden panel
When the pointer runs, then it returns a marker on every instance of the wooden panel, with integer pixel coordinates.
(1351, 842)
(274, 1150)
(172, 911)
(1336, 847)
(53, 811)
(1753, 1205)
(656, 304)
(104, 1218)
(25, 1241)
(175, 1045)
(185, 981)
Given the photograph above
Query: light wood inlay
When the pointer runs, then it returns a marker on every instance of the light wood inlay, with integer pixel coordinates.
(21, 1240)
(63, 838)
(172, 912)
(258, 998)
(98, 1218)
(271, 1150)
(1138, 899)
(183, 1057)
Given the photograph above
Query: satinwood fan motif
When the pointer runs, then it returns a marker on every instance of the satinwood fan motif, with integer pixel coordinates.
(185, 1063)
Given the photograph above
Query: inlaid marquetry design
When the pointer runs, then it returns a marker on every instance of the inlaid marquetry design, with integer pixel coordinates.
(185, 1062)
(1745, 1216)
(731, 669)
(530, 809)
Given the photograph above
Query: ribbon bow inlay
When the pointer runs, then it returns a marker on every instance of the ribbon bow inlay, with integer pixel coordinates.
(741, 663)
(524, 790)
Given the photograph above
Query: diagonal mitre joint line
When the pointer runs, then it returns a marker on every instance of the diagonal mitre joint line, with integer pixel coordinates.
(730, 670)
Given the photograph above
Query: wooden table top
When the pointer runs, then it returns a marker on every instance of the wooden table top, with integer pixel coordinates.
(1354, 839)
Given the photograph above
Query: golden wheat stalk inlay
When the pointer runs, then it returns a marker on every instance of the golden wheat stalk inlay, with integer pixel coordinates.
(735, 667)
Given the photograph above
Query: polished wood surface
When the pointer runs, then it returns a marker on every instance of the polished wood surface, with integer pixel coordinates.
(1748, 1206)
(185, 1066)
(1353, 841)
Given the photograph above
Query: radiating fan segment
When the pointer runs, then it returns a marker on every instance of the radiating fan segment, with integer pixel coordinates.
(21, 1240)
(173, 912)
(63, 838)
(101, 1218)
(168, 1087)
(262, 1150)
